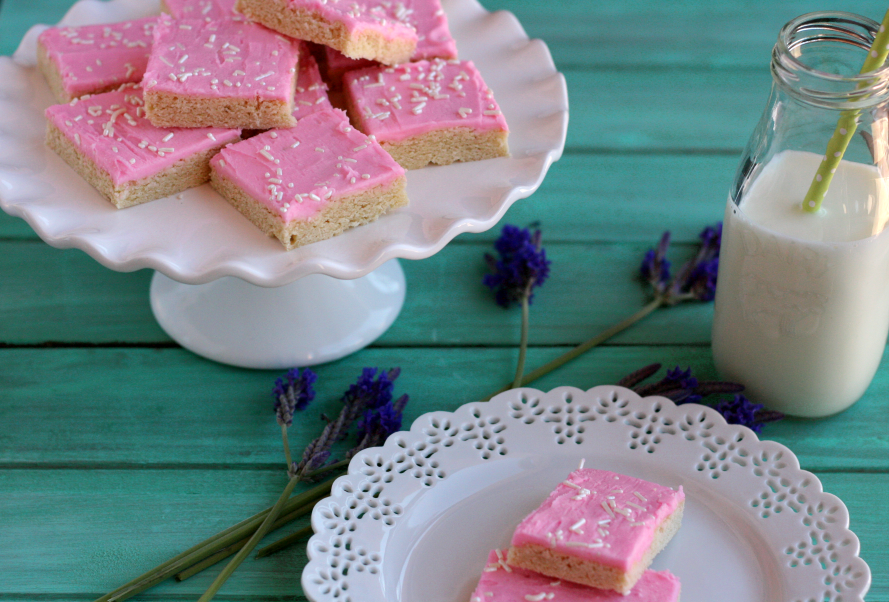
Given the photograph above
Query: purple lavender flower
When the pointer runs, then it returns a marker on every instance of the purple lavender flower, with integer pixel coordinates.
(696, 278)
(741, 410)
(294, 391)
(521, 267)
(655, 268)
(376, 425)
(370, 393)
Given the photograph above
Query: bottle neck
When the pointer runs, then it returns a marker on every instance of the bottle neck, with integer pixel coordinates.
(818, 57)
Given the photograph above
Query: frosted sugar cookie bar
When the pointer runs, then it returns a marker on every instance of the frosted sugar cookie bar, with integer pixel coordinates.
(598, 528)
(309, 182)
(310, 94)
(434, 40)
(225, 73)
(94, 58)
(426, 112)
(358, 29)
(502, 583)
(108, 141)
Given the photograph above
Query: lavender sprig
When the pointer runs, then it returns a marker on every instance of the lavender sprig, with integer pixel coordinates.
(521, 267)
(292, 392)
(681, 387)
(371, 392)
(695, 281)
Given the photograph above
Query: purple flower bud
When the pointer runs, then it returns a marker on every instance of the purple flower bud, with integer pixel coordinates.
(521, 266)
(293, 392)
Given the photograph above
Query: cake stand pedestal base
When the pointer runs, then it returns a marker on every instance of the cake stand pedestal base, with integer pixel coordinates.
(313, 320)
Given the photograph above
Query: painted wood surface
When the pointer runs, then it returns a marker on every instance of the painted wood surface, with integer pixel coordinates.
(119, 449)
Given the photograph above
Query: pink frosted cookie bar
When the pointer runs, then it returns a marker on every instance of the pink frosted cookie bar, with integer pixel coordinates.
(310, 94)
(94, 58)
(598, 528)
(225, 73)
(502, 583)
(435, 112)
(109, 142)
(357, 28)
(309, 182)
(208, 10)
(434, 40)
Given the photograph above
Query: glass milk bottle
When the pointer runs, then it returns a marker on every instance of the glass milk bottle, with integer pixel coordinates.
(802, 299)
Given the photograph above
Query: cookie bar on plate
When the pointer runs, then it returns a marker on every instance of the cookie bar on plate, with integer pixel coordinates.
(359, 29)
(437, 112)
(309, 182)
(502, 583)
(310, 94)
(109, 142)
(91, 59)
(225, 73)
(598, 528)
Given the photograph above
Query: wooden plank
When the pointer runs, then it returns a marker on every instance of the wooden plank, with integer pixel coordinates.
(166, 407)
(79, 534)
(65, 296)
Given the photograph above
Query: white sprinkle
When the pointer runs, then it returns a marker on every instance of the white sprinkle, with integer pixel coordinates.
(607, 509)
(221, 163)
(77, 138)
(352, 180)
(167, 137)
(227, 83)
(183, 59)
(605, 521)
(638, 524)
(211, 136)
(213, 37)
(314, 197)
(576, 526)
(636, 506)
(570, 484)
(319, 149)
(275, 181)
(535, 597)
(464, 112)
(166, 62)
(184, 26)
(365, 176)
(273, 134)
(171, 76)
(114, 148)
(582, 462)
(166, 150)
(581, 544)
(266, 154)
(263, 76)
(492, 112)
(350, 160)
(295, 144)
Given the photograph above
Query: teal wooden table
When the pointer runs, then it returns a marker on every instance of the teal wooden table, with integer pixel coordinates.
(119, 449)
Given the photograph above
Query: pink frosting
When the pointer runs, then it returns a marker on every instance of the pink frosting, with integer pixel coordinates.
(395, 103)
(225, 58)
(112, 131)
(207, 10)
(297, 171)
(310, 95)
(383, 18)
(92, 57)
(600, 516)
(502, 583)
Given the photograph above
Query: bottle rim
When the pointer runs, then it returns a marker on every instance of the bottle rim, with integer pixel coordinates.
(859, 89)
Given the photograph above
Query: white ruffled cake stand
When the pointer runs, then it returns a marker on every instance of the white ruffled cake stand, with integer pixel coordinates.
(224, 290)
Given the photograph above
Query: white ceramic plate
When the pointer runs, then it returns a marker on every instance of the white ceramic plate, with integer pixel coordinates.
(415, 519)
(199, 237)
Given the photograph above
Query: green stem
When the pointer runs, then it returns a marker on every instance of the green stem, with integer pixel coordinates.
(235, 562)
(586, 346)
(219, 556)
(328, 468)
(287, 455)
(285, 542)
(523, 346)
(210, 546)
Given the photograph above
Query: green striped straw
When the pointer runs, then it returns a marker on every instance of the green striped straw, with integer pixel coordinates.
(846, 125)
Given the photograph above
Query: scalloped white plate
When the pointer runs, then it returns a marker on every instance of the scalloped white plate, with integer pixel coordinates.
(415, 519)
(199, 237)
